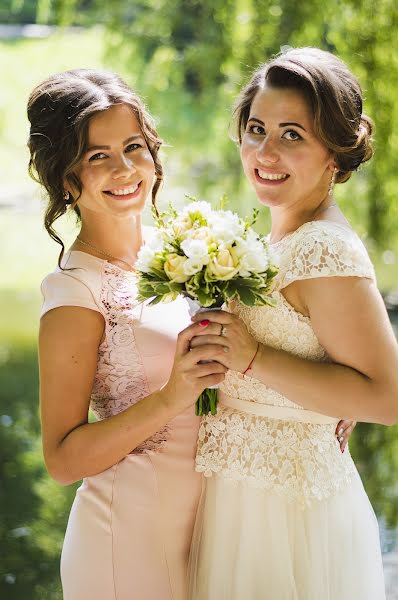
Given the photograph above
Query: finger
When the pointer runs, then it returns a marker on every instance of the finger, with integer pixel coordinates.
(216, 316)
(342, 426)
(185, 336)
(208, 352)
(343, 439)
(212, 380)
(200, 340)
(213, 329)
(208, 369)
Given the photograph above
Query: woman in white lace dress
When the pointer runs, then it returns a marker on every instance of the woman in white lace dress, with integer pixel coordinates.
(94, 148)
(284, 515)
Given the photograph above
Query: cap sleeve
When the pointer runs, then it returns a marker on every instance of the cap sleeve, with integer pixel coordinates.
(324, 249)
(66, 289)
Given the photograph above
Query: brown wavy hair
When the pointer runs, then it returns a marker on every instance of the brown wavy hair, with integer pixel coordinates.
(333, 94)
(59, 111)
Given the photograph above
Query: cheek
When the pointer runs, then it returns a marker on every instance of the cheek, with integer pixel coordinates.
(247, 150)
(145, 162)
(91, 176)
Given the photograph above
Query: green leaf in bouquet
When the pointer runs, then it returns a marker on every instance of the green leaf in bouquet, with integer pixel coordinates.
(204, 299)
(246, 296)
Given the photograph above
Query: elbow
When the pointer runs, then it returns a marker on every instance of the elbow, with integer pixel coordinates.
(390, 414)
(59, 472)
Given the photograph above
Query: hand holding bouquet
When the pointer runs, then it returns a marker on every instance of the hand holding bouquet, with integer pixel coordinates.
(210, 257)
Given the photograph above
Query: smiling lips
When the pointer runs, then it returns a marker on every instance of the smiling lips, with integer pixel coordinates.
(124, 193)
(267, 178)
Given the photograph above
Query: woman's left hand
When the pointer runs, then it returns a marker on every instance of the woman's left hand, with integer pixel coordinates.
(229, 331)
(343, 431)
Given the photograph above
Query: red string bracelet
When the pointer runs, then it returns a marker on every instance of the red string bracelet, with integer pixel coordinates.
(252, 360)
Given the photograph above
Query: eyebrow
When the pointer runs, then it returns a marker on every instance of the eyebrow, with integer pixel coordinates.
(280, 124)
(130, 139)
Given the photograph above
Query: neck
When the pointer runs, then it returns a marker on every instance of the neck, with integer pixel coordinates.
(285, 220)
(122, 238)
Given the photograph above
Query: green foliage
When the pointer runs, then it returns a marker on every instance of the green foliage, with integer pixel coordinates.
(188, 59)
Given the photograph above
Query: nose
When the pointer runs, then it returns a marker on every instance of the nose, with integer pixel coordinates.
(267, 151)
(123, 166)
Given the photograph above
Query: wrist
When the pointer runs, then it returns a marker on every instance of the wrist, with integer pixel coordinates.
(258, 361)
(248, 369)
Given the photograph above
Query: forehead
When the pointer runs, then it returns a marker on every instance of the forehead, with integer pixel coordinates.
(113, 125)
(283, 105)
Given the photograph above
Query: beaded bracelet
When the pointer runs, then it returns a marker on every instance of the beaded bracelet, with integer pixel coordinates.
(252, 360)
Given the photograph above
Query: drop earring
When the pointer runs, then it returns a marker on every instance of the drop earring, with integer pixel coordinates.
(67, 197)
(332, 181)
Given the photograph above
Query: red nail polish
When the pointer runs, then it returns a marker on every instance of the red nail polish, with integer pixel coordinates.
(204, 323)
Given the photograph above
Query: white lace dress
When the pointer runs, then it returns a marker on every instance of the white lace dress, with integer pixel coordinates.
(284, 515)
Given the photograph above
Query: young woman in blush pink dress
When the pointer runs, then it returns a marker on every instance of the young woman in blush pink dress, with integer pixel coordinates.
(95, 150)
(284, 515)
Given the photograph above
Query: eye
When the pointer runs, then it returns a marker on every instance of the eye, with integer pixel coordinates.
(97, 156)
(256, 129)
(292, 135)
(132, 147)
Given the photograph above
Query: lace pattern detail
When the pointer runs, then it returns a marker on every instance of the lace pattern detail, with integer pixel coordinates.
(120, 379)
(300, 460)
(322, 249)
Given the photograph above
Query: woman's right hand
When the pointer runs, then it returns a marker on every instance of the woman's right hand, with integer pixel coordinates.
(189, 377)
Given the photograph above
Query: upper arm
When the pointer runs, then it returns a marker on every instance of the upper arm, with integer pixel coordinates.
(350, 321)
(68, 347)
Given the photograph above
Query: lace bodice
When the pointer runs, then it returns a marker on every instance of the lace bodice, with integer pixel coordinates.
(136, 354)
(294, 454)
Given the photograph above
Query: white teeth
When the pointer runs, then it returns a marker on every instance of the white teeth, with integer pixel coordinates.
(124, 191)
(271, 176)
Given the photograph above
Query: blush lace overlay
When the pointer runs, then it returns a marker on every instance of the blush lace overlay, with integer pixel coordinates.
(120, 380)
(296, 458)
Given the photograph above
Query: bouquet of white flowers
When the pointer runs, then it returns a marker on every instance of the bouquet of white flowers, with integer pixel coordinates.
(210, 257)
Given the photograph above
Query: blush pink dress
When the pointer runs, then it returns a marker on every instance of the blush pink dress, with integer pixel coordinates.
(130, 527)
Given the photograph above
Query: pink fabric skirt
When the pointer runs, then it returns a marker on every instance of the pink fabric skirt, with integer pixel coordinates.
(130, 527)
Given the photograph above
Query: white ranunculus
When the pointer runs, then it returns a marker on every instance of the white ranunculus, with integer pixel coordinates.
(196, 249)
(204, 208)
(252, 256)
(226, 226)
(145, 258)
(192, 266)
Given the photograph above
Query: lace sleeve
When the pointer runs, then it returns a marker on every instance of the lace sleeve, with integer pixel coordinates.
(323, 249)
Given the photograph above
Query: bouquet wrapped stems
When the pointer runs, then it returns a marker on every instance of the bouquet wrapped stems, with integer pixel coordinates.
(208, 399)
(207, 402)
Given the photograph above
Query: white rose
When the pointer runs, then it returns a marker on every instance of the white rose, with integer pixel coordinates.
(202, 233)
(181, 225)
(222, 266)
(174, 268)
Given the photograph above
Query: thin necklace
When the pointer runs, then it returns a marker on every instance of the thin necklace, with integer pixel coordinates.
(324, 208)
(315, 213)
(131, 267)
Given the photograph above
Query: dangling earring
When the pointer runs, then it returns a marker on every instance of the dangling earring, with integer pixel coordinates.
(67, 197)
(331, 184)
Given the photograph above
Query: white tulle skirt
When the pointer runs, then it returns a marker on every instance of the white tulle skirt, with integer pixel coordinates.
(252, 544)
